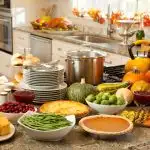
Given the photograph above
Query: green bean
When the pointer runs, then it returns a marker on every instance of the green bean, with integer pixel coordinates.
(45, 122)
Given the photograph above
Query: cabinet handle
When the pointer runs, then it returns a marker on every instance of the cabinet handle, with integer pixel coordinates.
(21, 38)
(61, 56)
(108, 62)
(59, 49)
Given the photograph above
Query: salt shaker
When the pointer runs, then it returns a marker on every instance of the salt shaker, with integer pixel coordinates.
(8, 93)
(3, 97)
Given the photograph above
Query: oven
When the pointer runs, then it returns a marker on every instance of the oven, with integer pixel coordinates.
(5, 4)
(6, 36)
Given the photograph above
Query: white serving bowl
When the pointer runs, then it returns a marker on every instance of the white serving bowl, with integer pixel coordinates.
(52, 135)
(107, 109)
(13, 117)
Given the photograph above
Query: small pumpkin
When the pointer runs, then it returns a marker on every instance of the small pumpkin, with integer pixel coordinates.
(79, 91)
(140, 86)
(147, 76)
(133, 76)
(142, 64)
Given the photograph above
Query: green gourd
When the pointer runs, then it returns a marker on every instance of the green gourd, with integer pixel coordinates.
(79, 91)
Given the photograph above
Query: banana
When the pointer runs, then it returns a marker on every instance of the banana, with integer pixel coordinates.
(112, 87)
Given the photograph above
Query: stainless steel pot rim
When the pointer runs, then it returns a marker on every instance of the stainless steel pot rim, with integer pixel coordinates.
(91, 54)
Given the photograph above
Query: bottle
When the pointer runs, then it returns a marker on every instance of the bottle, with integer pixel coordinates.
(140, 33)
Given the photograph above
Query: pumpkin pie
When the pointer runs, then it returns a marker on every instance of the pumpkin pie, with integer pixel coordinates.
(65, 107)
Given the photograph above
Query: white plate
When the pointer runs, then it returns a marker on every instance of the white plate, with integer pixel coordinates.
(61, 87)
(6, 137)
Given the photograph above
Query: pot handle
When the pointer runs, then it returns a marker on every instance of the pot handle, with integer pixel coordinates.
(137, 43)
(130, 50)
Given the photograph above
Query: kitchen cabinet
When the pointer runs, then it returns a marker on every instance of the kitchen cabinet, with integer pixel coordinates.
(21, 40)
(60, 48)
(5, 65)
(41, 48)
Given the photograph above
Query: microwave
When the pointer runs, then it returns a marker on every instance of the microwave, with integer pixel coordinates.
(5, 4)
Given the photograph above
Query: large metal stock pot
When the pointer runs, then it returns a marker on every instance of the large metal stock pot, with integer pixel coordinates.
(87, 64)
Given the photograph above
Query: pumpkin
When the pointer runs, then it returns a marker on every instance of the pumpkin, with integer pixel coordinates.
(79, 91)
(147, 76)
(140, 86)
(126, 94)
(133, 76)
(142, 64)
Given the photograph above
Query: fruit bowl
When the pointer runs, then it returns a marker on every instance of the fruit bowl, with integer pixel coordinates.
(107, 109)
(142, 97)
(105, 103)
(36, 26)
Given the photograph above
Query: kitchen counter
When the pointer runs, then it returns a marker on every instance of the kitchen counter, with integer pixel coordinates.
(113, 48)
(79, 140)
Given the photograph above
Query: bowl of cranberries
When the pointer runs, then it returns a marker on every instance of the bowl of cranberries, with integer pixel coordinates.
(24, 96)
(14, 110)
(142, 97)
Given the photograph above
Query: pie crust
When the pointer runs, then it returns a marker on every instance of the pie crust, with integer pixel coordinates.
(65, 107)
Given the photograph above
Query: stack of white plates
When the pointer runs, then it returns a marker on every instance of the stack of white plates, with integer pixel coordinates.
(47, 84)
(42, 96)
(37, 78)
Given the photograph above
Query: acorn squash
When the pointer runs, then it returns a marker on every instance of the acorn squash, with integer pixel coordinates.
(79, 91)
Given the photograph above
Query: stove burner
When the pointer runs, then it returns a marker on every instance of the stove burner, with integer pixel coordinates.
(113, 74)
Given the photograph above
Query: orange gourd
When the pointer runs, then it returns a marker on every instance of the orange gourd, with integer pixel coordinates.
(133, 76)
(142, 64)
(147, 76)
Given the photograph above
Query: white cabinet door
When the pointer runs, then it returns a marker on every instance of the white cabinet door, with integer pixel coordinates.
(60, 48)
(21, 40)
(5, 64)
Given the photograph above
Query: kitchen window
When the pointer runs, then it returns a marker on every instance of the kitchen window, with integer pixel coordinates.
(129, 7)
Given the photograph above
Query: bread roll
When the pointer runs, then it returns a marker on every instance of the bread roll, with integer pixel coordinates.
(19, 77)
(35, 60)
(27, 62)
(17, 62)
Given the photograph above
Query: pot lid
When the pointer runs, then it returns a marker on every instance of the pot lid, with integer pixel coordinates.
(85, 54)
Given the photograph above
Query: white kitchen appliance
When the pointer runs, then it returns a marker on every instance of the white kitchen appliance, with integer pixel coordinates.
(41, 48)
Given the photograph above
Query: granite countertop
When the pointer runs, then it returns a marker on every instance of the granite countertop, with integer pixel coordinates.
(79, 140)
(113, 48)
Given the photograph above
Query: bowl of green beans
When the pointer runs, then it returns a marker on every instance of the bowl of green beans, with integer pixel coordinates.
(47, 127)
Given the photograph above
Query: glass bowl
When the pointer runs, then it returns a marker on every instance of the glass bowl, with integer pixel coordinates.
(142, 97)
